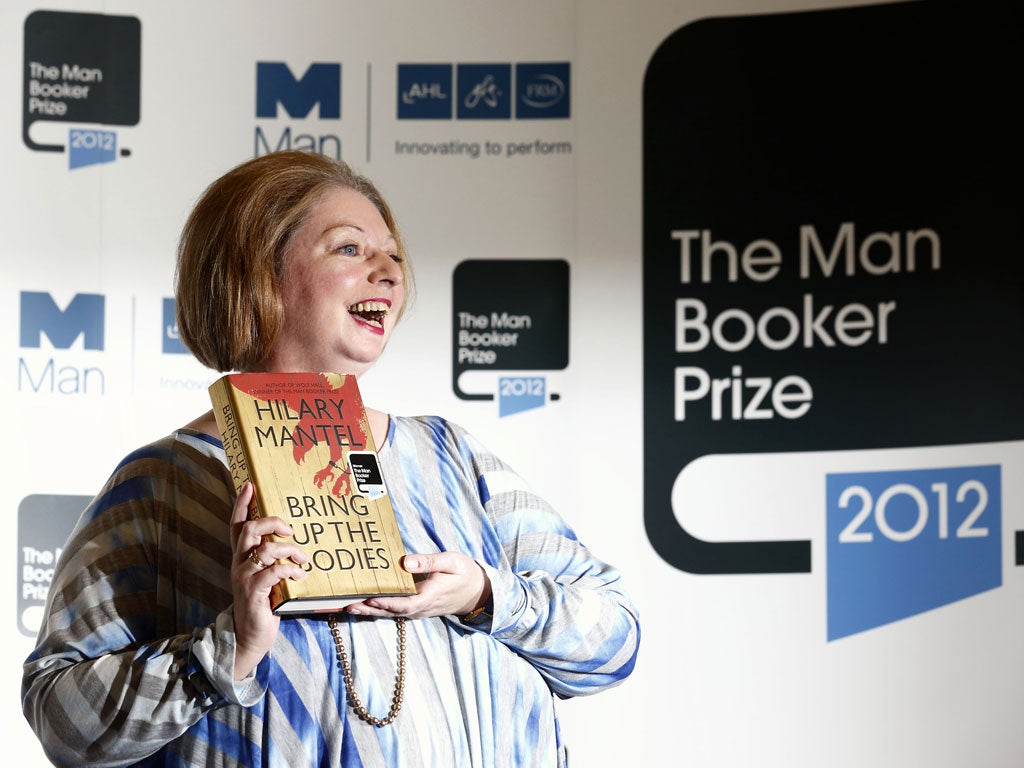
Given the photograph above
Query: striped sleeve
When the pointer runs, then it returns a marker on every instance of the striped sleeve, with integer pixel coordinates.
(555, 603)
(98, 690)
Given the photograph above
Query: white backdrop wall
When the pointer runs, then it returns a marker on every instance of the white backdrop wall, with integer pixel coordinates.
(735, 669)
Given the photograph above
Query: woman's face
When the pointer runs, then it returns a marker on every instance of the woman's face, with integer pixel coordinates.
(342, 289)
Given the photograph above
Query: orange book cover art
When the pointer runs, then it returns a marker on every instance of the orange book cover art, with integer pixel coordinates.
(304, 441)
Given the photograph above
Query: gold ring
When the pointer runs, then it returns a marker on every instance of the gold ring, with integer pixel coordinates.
(256, 559)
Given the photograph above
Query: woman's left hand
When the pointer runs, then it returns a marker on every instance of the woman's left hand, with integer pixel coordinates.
(455, 584)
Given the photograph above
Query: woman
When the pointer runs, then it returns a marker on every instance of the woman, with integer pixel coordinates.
(159, 646)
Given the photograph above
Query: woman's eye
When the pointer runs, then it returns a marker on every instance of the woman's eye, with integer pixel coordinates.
(349, 249)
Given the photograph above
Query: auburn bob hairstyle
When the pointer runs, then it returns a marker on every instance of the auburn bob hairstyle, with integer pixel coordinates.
(232, 249)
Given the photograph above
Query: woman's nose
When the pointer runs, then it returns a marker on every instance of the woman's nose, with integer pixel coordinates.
(385, 268)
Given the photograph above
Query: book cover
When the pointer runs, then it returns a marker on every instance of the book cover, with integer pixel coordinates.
(304, 440)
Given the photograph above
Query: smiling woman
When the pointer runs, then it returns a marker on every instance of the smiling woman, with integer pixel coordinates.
(235, 246)
(159, 645)
(343, 278)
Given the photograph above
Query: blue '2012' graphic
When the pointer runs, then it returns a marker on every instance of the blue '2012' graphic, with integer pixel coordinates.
(904, 542)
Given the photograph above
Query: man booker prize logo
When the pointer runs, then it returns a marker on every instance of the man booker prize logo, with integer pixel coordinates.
(80, 68)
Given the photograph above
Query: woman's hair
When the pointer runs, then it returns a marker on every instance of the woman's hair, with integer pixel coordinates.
(231, 252)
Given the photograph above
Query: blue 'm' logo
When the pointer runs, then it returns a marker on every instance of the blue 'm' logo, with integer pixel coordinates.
(275, 84)
(424, 91)
(485, 91)
(83, 316)
(542, 90)
(904, 542)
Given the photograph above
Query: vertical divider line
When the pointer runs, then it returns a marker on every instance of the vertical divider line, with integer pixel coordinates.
(131, 357)
(369, 101)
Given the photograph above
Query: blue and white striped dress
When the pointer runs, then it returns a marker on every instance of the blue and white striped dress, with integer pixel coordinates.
(134, 662)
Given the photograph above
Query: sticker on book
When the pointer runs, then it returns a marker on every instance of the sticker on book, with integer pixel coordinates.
(366, 473)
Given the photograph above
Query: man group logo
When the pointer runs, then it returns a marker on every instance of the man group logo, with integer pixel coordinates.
(67, 373)
(484, 91)
(320, 85)
(83, 317)
(81, 68)
(73, 359)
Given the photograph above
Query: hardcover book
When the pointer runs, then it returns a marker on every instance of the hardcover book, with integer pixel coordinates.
(304, 441)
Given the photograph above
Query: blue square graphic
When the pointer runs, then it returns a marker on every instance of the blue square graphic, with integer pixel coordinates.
(520, 393)
(542, 91)
(91, 147)
(424, 91)
(485, 91)
(171, 341)
(902, 542)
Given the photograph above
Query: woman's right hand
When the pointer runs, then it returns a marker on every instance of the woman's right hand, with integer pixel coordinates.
(257, 565)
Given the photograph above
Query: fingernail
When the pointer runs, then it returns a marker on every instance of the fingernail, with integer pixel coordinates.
(411, 562)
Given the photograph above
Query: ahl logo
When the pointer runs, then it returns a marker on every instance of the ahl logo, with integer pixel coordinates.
(904, 542)
(319, 86)
(81, 68)
(424, 91)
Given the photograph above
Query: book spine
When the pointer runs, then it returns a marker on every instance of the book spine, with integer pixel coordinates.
(235, 443)
(232, 437)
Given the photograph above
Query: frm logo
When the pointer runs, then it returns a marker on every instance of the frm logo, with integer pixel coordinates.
(279, 89)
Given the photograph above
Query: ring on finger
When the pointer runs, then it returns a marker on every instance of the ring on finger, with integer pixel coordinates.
(256, 559)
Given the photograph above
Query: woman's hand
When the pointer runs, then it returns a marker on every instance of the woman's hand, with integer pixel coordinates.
(455, 584)
(256, 566)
